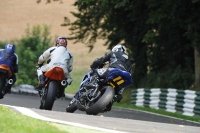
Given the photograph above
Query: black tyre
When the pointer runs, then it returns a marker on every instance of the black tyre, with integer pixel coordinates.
(2, 83)
(102, 102)
(48, 102)
(80, 107)
(71, 107)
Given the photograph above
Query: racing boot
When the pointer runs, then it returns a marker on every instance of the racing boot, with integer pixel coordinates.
(61, 92)
(8, 90)
(108, 107)
(118, 96)
(41, 83)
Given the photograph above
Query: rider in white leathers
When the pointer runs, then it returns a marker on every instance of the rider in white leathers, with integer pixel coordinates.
(59, 56)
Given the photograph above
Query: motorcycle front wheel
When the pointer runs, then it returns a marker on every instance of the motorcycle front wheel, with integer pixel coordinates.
(47, 100)
(72, 106)
(2, 83)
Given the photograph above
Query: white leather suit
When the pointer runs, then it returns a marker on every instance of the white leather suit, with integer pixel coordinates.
(59, 56)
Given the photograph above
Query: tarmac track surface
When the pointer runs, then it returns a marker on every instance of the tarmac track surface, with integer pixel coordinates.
(118, 119)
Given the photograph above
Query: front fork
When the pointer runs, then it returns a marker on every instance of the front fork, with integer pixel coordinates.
(43, 93)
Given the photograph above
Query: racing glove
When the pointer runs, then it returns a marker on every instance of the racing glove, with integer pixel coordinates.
(40, 65)
(69, 81)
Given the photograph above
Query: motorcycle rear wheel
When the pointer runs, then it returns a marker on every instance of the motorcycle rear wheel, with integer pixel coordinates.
(47, 103)
(102, 102)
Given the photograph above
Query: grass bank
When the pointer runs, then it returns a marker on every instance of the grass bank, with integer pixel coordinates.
(12, 122)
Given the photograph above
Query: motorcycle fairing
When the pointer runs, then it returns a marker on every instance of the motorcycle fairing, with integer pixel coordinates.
(56, 73)
(102, 72)
(85, 79)
(118, 78)
(4, 68)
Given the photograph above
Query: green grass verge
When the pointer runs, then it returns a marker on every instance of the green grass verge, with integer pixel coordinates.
(12, 122)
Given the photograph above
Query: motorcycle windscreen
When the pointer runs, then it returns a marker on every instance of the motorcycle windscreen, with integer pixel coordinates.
(5, 70)
(56, 73)
(119, 78)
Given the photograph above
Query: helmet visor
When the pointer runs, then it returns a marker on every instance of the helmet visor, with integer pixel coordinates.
(61, 41)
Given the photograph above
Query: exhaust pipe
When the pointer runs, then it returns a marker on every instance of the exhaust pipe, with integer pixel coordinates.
(63, 82)
(10, 81)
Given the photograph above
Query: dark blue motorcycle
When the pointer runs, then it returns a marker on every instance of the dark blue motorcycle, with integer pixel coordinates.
(94, 99)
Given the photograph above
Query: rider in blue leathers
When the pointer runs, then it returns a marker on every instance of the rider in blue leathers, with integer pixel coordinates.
(10, 58)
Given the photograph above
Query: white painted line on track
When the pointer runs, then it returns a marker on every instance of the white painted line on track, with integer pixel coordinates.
(33, 114)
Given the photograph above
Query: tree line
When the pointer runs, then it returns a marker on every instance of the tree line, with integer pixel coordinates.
(163, 37)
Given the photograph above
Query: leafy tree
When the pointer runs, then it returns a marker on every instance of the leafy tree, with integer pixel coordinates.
(2, 44)
(171, 50)
(116, 22)
(161, 36)
(29, 48)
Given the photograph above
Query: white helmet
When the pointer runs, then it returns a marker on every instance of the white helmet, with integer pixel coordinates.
(119, 47)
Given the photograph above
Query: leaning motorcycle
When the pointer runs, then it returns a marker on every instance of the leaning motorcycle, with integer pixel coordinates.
(94, 99)
(5, 80)
(55, 84)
